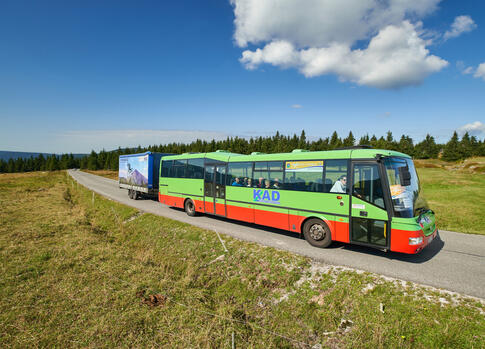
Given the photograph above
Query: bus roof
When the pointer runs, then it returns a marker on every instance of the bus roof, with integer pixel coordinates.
(297, 154)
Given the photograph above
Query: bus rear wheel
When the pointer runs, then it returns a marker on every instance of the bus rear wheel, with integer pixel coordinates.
(317, 233)
(189, 208)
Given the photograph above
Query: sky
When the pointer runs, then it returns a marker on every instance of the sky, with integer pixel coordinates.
(77, 76)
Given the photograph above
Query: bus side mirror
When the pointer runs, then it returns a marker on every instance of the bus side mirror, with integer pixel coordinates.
(405, 175)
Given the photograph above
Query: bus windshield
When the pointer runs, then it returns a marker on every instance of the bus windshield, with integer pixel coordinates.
(407, 199)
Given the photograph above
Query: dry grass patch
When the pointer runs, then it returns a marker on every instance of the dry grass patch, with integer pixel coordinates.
(104, 173)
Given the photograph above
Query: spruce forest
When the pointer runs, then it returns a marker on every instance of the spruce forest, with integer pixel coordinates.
(454, 150)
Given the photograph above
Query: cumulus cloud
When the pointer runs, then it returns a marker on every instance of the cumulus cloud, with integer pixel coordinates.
(317, 37)
(480, 72)
(461, 24)
(474, 129)
(394, 58)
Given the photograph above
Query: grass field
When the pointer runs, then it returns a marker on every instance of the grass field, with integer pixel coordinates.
(78, 272)
(456, 192)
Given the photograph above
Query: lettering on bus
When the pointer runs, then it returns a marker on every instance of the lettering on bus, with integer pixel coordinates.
(268, 196)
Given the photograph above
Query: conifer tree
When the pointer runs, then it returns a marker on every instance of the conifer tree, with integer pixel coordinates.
(426, 149)
(451, 151)
(406, 145)
(302, 141)
(92, 163)
(349, 141)
(390, 143)
(466, 148)
(364, 140)
(335, 141)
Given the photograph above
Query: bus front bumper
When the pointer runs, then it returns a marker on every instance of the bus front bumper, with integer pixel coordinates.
(421, 242)
(411, 242)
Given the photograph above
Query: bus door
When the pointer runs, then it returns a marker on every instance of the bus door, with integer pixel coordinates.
(215, 189)
(369, 219)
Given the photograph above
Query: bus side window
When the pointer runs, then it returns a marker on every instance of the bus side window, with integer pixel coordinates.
(166, 166)
(275, 174)
(195, 168)
(302, 175)
(260, 173)
(241, 170)
(178, 169)
(334, 169)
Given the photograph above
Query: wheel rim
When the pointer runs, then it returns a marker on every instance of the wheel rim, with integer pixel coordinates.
(317, 232)
(190, 207)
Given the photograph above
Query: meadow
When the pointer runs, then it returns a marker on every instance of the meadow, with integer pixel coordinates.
(456, 192)
(79, 270)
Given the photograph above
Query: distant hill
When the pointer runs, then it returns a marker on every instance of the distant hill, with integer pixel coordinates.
(6, 155)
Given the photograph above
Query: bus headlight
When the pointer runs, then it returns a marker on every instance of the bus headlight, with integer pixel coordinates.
(416, 241)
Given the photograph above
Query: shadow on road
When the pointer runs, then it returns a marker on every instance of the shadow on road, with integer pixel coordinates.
(427, 254)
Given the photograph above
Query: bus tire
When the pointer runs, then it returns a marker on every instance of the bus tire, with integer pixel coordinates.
(189, 207)
(317, 233)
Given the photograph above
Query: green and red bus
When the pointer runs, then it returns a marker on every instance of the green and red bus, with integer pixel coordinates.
(358, 195)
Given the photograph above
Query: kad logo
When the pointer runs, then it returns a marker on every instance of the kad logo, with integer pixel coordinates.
(269, 196)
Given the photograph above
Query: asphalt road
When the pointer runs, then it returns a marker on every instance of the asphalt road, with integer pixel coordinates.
(455, 261)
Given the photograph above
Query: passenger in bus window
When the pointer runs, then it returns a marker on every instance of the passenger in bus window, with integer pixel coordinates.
(245, 182)
(267, 183)
(276, 184)
(340, 186)
(250, 183)
(237, 182)
(260, 183)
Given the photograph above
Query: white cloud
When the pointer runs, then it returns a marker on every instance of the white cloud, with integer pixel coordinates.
(87, 140)
(480, 72)
(461, 24)
(317, 23)
(394, 58)
(297, 106)
(474, 129)
(317, 38)
(464, 69)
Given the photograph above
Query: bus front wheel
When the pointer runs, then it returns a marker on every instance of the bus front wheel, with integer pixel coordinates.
(317, 233)
(189, 208)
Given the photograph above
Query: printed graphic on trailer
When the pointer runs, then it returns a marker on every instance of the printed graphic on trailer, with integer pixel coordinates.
(134, 170)
(266, 196)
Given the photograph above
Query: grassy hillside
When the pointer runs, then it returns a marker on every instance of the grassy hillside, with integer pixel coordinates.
(78, 272)
(456, 192)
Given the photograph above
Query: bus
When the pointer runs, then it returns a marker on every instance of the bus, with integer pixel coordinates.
(356, 195)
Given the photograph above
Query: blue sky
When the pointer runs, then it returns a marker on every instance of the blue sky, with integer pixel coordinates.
(82, 75)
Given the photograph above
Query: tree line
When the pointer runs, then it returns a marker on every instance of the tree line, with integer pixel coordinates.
(455, 149)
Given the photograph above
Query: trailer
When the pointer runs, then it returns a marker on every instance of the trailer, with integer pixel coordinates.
(139, 173)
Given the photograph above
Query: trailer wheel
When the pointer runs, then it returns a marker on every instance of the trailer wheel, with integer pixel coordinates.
(135, 195)
(130, 193)
(189, 208)
(317, 233)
